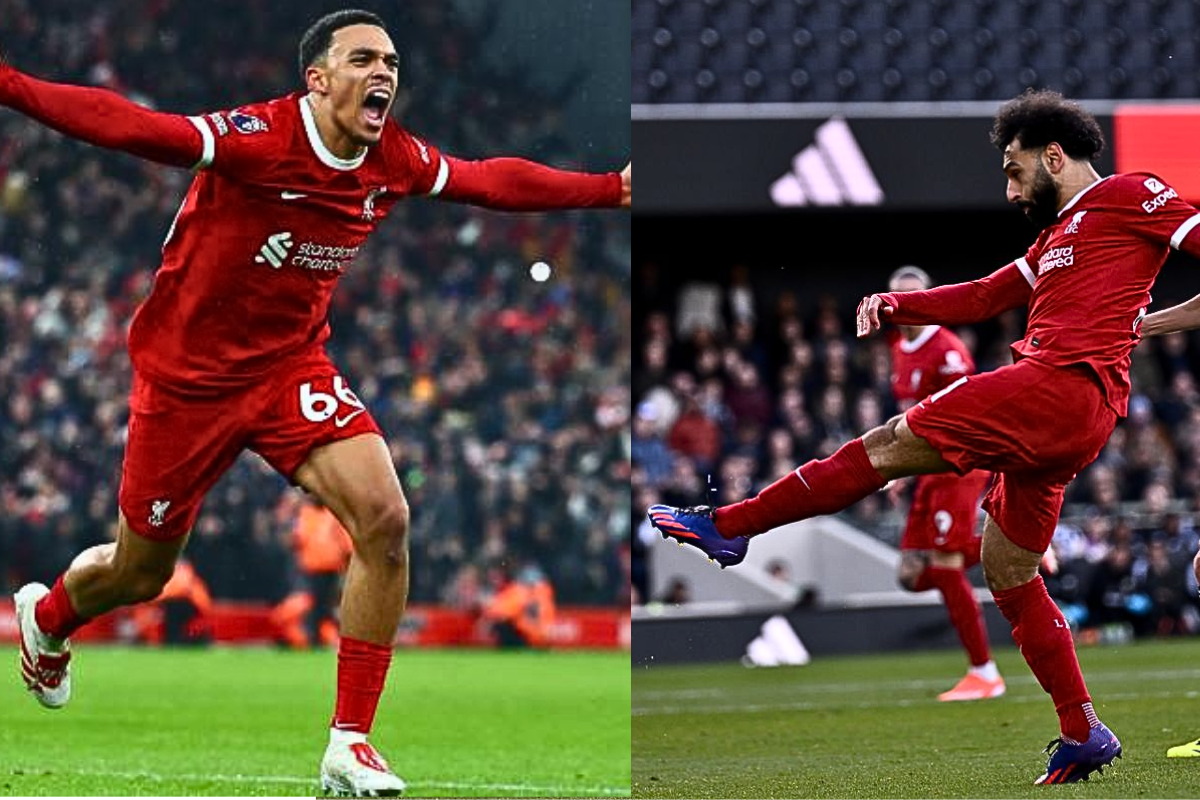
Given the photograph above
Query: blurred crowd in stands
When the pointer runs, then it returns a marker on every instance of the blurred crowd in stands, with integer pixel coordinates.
(505, 401)
(743, 384)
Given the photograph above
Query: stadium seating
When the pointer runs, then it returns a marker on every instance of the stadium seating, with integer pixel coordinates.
(710, 51)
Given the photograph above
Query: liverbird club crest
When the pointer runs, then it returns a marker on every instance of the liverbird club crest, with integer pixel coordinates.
(368, 212)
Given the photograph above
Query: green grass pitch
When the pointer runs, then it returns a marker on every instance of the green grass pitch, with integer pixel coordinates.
(254, 722)
(871, 727)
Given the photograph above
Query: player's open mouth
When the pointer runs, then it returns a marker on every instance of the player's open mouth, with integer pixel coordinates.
(375, 107)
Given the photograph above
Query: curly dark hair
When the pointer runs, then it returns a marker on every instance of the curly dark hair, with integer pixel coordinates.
(1040, 117)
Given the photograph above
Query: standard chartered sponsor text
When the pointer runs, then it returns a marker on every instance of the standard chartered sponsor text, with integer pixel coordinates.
(324, 257)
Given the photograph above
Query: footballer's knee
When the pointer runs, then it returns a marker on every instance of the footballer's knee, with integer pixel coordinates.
(380, 531)
(896, 452)
(1005, 564)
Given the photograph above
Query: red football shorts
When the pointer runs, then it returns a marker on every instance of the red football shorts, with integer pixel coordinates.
(943, 514)
(1034, 425)
(179, 445)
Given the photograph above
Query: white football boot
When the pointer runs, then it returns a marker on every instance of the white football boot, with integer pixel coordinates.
(353, 768)
(45, 665)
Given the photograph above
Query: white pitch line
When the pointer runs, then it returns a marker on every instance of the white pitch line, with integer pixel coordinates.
(754, 708)
(847, 687)
(569, 791)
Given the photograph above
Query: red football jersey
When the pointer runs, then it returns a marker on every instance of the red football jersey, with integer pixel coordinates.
(270, 222)
(932, 361)
(1091, 274)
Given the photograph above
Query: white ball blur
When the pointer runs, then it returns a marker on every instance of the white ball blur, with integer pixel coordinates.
(539, 271)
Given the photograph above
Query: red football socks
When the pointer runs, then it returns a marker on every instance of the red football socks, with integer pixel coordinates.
(362, 670)
(818, 487)
(54, 614)
(965, 615)
(1044, 638)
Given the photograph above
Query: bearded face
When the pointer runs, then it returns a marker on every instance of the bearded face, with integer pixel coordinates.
(1041, 203)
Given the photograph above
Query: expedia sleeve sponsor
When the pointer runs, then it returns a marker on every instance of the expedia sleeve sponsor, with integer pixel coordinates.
(1160, 200)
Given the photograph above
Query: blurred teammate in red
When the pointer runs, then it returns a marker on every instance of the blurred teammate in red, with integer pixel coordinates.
(1037, 422)
(941, 540)
(228, 350)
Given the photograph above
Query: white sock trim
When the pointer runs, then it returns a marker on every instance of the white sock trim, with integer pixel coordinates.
(341, 737)
(986, 671)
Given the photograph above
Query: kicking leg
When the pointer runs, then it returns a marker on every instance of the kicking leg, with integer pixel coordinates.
(859, 468)
(356, 479)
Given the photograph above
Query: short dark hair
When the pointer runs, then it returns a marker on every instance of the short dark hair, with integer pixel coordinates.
(1038, 118)
(316, 40)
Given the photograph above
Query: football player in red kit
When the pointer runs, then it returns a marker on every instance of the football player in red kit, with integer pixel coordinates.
(228, 349)
(941, 540)
(1035, 423)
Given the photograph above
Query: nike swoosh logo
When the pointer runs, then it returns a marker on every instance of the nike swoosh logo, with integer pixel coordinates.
(292, 195)
(342, 422)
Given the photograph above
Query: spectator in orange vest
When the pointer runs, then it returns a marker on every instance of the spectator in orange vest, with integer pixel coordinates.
(522, 612)
(177, 615)
(322, 547)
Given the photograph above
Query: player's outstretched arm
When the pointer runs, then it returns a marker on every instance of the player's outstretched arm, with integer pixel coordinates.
(1183, 317)
(954, 304)
(514, 184)
(103, 118)
(627, 186)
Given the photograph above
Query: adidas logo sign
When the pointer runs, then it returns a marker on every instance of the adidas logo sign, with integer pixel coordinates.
(275, 251)
(830, 172)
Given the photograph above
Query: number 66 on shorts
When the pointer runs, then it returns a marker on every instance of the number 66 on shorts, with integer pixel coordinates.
(179, 444)
(343, 405)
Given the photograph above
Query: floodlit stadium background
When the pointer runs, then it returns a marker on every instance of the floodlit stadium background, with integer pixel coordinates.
(505, 400)
(801, 150)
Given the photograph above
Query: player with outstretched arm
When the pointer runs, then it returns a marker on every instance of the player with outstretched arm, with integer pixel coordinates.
(228, 349)
(1037, 422)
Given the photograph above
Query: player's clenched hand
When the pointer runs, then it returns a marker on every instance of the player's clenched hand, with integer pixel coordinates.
(627, 186)
(869, 311)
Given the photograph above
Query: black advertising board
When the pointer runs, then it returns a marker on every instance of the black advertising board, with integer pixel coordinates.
(769, 158)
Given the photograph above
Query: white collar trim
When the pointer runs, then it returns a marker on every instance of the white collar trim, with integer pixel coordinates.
(314, 139)
(913, 345)
(1082, 192)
